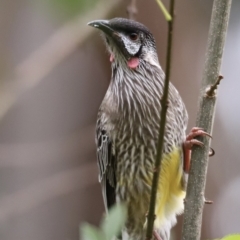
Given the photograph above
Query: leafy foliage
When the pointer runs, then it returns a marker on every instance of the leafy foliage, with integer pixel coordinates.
(230, 237)
(72, 6)
(65, 9)
(111, 225)
(90, 232)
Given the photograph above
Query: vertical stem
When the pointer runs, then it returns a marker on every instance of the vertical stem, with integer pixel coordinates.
(132, 9)
(197, 176)
(164, 103)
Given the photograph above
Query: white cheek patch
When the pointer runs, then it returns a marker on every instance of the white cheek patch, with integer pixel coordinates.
(131, 47)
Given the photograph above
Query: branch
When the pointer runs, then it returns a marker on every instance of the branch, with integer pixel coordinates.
(58, 47)
(164, 104)
(132, 9)
(197, 176)
(164, 10)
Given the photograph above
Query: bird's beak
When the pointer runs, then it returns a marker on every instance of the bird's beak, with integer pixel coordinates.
(105, 26)
(102, 25)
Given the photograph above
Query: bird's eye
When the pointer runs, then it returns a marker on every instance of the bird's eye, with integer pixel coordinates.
(133, 36)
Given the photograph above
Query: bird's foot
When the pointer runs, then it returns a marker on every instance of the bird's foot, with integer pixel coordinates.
(189, 142)
(156, 235)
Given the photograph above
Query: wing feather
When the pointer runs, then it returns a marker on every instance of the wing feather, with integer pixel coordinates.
(106, 165)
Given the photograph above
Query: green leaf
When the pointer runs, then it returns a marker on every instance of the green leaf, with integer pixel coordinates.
(65, 9)
(232, 237)
(72, 7)
(164, 10)
(89, 232)
(114, 221)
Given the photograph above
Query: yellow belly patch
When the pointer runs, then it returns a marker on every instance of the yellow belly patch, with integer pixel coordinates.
(170, 193)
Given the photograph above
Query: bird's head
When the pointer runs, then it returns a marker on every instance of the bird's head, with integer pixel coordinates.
(127, 41)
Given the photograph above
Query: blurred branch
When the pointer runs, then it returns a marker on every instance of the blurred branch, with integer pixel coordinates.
(57, 48)
(164, 105)
(198, 170)
(132, 9)
(60, 184)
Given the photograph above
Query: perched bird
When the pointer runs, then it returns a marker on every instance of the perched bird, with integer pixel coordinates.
(127, 132)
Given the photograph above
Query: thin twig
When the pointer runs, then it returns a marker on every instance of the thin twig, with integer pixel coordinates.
(164, 10)
(57, 48)
(199, 162)
(208, 202)
(132, 9)
(164, 104)
(211, 91)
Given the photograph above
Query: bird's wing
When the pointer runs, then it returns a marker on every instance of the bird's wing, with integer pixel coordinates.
(105, 159)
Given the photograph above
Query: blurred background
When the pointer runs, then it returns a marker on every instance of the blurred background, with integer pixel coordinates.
(54, 71)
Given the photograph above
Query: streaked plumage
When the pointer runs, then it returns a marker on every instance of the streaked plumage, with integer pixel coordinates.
(127, 131)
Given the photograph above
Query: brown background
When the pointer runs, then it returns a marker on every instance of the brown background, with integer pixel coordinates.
(48, 173)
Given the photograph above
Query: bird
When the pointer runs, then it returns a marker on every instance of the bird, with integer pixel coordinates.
(127, 131)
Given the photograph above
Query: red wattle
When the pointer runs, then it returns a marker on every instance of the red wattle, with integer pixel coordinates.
(111, 57)
(133, 63)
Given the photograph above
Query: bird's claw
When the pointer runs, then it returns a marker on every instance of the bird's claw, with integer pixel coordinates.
(211, 152)
(195, 132)
(190, 141)
(156, 235)
(188, 144)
